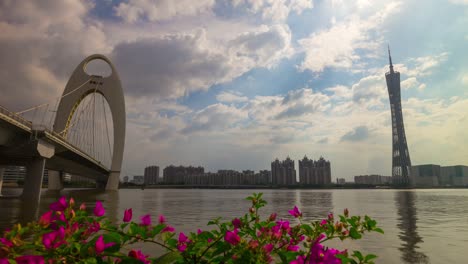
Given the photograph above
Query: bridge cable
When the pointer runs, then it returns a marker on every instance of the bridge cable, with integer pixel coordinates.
(41, 105)
(107, 129)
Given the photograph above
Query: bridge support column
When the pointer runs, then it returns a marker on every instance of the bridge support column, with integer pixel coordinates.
(55, 181)
(2, 170)
(33, 179)
(113, 181)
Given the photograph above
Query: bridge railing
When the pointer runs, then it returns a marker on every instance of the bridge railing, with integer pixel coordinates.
(15, 117)
(58, 137)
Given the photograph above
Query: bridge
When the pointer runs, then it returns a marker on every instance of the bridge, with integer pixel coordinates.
(71, 134)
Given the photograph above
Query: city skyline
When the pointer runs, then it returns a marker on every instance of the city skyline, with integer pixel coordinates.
(235, 85)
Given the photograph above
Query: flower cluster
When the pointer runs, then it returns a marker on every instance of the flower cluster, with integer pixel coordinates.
(65, 234)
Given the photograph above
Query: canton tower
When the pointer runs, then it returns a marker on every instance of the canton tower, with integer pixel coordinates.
(401, 163)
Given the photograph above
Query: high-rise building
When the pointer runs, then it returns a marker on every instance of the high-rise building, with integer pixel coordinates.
(314, 172)
(401, 163)
(151, 175)
(283, 172)
(178, 175)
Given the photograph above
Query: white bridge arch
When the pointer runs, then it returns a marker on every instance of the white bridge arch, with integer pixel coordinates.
(111, 89)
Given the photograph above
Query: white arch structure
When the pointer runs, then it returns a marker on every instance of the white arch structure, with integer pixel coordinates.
(111, 89)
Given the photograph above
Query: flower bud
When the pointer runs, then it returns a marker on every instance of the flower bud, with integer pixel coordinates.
(272, 217)
(252, 210)
(346, 212)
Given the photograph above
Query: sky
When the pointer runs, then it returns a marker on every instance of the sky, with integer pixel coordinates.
(235, 84)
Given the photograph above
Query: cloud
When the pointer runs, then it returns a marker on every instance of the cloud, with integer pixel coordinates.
(369, 91)
(39, 51)
(135, 10)
(359, 133)
(174, 65)
(214, 118)
(337, 46)
(231, 97)
(273, 10)
(459, 2)
(340, 92)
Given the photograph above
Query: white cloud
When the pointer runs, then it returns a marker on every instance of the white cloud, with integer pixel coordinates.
(274, 10)
(174, 65)
(460, 2)
(231, 97)
(336, 47)
(160, 10)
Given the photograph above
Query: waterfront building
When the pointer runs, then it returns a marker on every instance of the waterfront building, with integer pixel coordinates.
(401, 162)
(178, 175)
(138, 179)
(314, 172)
(125, 179)
(283, 172)
(432, 175)
(372, 179)
(340, 181)
(151, 176)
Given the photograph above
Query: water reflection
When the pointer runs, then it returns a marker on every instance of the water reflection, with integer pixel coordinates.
(409, 236)
(316, 204)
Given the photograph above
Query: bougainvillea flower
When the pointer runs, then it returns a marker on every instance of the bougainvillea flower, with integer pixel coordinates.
(253, 244)
(83, 207)
(101, 245)
(30, 260)
(60, 205)
(168, 229)
(330, 216)
(232, 237)
(268, 248)
(236, 222)
(162, 219)
(6, 242)
(99, 209)
(127, 215)
(199, 231)
(295, 212)
(146, 220)
(182, 238)
(46, 218)
(4, 261)
(136, 254)
(293, 248)
(272, 217)
(72, 202)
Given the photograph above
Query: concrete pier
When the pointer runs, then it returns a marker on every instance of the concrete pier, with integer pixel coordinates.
(55, 180)
(2, 170)
(33, 180)
(113, 181)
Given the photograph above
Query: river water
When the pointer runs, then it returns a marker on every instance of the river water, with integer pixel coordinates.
(421, 226)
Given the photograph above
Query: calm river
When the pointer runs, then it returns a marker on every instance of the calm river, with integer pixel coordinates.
(421, 226)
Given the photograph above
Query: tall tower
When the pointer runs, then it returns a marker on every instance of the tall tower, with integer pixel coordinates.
(401, 163)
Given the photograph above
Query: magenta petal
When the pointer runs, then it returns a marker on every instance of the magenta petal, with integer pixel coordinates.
(99, 209)
(146, 220)
(127, 215)
(30, 260)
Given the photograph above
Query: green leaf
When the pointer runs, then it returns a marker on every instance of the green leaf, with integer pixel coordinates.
(354, 234)
(307, 228)
(378, 230)
(369, 257)
(358, 255)
(170, 257)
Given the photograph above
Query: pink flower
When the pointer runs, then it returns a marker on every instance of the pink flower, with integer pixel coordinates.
(46, 218)
(293, 248)
(295, 212)
(323, 222)
(253, 244)
(236, 222)
(283, 224)
(4, 261)
(232, 237)
(146, 220)
(60, 205)
(272, 217)
(6, 242)
(101, 246)
(268, 248)
(168, 229)
(299, 260)
(136, 254)
(182, 238)
(162, 219)
(72, 202)
(182, 243)
(30, 260)
(54, 239)
(82, 207)
(127, 215)
(330, 216)
(199, 231)
(99, 209)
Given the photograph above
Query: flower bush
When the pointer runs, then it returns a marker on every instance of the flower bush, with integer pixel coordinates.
(67, 234)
